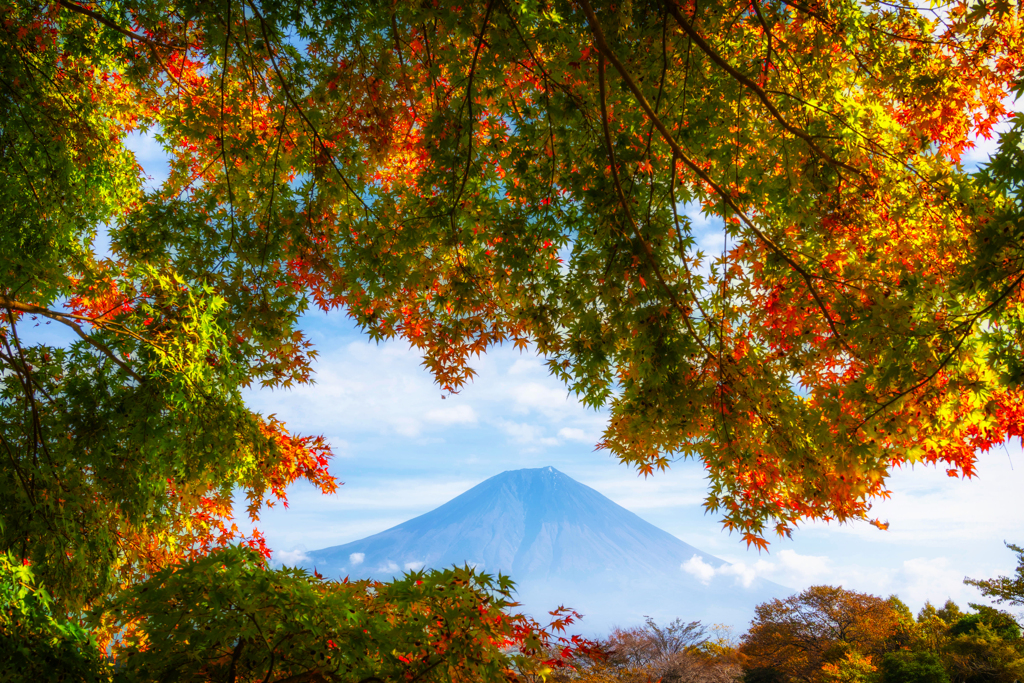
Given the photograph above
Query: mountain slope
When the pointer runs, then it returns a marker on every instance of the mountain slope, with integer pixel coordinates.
(562, 542)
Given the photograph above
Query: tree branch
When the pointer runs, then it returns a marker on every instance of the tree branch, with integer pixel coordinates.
(75, 7)
(753, 87)
(602, 45)
(648, 252)
(68, 319)
(469, 103)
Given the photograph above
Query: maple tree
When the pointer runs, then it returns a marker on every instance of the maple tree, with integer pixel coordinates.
(227, 617)
(464, 175)
(825, 633)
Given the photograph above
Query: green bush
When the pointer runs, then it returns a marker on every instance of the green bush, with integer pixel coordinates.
(912, 667)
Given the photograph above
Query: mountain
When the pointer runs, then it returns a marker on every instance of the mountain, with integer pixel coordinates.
(562, 543)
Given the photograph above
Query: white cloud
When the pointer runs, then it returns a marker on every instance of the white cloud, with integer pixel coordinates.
(525, 433)
(790, 569)
(413, 566)
(927, 506)
(805, 569)
(744, 573)
(406, 426)
(388, 566)
(356, 559)
(934, 579)
(700, 222)
(150, 155)
(524, 366)
(696, 566)
(396, 494)
(915, 581)
(707, 232)
(544, 398)
(290, 558)
(458, 414)
(574, 434)
(367, 391)
(665, 492)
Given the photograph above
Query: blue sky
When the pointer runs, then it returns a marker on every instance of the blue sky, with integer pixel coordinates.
(402, 450)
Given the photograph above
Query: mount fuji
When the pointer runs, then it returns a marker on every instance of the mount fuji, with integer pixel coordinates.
(562, 543)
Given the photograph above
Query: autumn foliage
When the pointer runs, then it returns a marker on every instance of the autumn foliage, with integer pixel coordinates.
(824, 634)
(816, 635)
(830, 635)
(465, 175)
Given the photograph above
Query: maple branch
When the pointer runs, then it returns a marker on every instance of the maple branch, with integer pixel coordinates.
(682, 255)
(223, 147)
(753, 87)
(270, 669)
(949, 356)
(869, 144)
(602, 45)
(29, 491)
(806, 10)
(648, 252)
(37, 436)
(19, 97)
(27, 379)
(302, 114)
(401, 64)
(235, 654)
(549, 84)
(469, 104)
(425, 671)
(768, 32)
(608, 141)
(25, 366)
(549, 81)
(67, 319)
(109, 23)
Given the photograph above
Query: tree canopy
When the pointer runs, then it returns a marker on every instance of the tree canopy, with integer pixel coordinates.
(817, 634)
(830, 635)
(676, 652)
(461, 175)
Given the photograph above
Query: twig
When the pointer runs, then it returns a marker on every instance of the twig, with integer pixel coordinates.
(65, 319)
(74, 7)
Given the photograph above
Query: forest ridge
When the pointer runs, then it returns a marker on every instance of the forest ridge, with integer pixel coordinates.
(825, 634)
